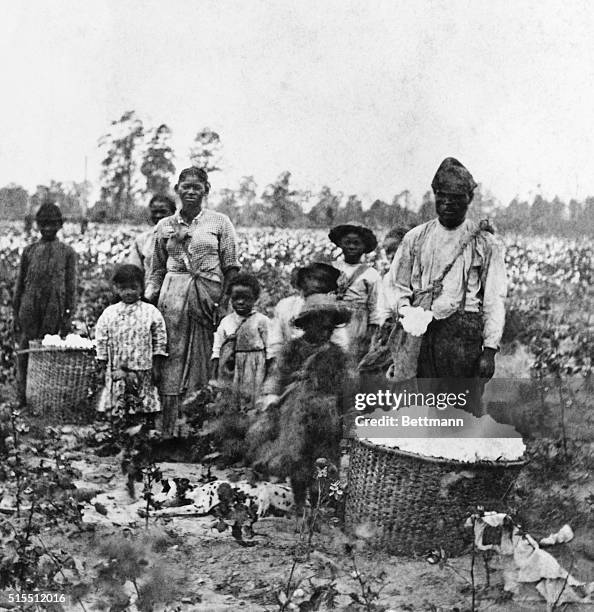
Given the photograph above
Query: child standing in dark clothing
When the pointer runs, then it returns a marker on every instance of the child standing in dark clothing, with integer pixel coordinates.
(303, 420)
(45, 290)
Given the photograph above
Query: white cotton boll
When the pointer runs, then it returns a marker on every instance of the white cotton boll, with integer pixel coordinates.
(51, 340)
(415, 320)
(565, 534)
(469, 450)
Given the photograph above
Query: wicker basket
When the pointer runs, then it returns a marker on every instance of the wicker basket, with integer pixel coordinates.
(413, 503)
(60, 382)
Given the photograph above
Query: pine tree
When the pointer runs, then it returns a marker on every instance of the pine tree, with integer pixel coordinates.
(120, 180)
(205, 153)
(157, 164)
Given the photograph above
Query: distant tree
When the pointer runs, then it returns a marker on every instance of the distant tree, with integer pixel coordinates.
(13, 201)
(587, 217)
(405, 200)
(483, 204)
(427, 210)
(246, 201)
(157, 163)
(325, 210)
(516, 216)
(206, 150)
(120, 167)
(282, 203)
(540, 215)
(558, 212)
(228, 205)
(351, 211)
(246, 194)
(401, 213)
(69, 196)
(380, 215)
(575, 211)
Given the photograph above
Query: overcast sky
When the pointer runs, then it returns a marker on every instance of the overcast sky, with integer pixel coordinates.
(367, 97)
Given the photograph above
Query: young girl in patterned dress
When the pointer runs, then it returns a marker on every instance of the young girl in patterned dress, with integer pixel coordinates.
(241, 343)
(131, 346)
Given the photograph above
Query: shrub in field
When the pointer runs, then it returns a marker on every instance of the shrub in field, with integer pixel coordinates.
(130, 572)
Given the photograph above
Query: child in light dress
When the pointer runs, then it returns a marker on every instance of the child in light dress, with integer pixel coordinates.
(358, 284)
(314, 278)
(240, 354)
(131, 345)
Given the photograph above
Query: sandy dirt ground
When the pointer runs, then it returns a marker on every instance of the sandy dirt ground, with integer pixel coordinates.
(209, 571)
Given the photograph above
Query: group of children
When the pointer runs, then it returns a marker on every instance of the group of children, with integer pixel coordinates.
(292, 366)
(131, 334)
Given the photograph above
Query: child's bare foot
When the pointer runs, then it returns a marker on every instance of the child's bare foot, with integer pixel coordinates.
(300, 518)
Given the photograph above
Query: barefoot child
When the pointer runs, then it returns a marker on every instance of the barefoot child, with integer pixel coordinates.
(358, 284)
(45, 290)
(303, 408)
(240, 348)
(131, 346)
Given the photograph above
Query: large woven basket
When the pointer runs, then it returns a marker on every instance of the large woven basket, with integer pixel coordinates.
(410, 504)
(60, 382)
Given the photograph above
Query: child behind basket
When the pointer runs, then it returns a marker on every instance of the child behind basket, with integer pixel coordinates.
(240, 353)
(131, 345)
(303, 407)
(45, 290)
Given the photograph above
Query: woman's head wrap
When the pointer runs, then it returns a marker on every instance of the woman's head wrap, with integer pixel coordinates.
(453, 177)
(195, 172)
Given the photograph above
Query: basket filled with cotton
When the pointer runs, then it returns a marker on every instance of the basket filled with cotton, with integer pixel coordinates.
(409, 496)
(60, 378)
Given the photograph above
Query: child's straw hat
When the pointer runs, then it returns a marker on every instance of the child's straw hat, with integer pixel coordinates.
(319, 303)
(369, 240)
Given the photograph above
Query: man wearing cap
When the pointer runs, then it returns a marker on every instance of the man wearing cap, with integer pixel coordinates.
(468, 301)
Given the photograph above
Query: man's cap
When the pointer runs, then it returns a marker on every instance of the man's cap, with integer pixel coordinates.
(453, 177)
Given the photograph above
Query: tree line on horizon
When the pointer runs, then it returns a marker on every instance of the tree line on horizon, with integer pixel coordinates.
(138, 162)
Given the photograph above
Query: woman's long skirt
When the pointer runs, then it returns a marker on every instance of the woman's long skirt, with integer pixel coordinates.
(189, 340)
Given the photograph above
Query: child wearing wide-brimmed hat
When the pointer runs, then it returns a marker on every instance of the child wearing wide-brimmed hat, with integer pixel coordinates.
(303, 417)
(314, 278)
(358, 284)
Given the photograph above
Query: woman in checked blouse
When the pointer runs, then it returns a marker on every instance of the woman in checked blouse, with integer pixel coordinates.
(194, 260)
